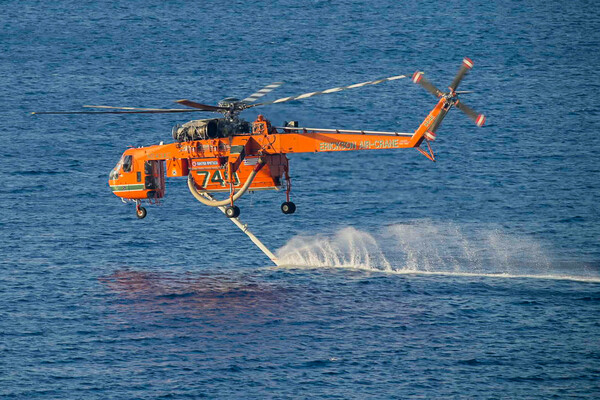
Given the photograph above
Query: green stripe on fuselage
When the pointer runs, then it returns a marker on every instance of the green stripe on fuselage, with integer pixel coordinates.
(127, 188)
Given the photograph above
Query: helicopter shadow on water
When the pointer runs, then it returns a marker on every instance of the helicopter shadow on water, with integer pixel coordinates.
(189, 296)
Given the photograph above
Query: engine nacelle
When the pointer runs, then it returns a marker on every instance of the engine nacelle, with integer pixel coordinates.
(203, 129)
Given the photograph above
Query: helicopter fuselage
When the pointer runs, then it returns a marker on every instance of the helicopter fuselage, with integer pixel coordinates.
(223, 164)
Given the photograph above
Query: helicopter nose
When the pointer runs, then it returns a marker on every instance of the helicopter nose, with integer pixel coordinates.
(113, 175)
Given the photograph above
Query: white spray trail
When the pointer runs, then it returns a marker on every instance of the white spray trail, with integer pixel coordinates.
(348, 248)
(426, 247)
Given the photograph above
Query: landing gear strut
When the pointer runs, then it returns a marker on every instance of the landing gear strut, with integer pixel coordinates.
(288, 207)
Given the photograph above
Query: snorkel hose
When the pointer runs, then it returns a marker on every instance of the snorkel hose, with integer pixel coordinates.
(236, 195)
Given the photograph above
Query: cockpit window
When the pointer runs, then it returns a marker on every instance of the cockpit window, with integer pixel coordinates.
(127, 163)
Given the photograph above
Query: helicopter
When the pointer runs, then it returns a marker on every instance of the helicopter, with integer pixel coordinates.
(231, 155)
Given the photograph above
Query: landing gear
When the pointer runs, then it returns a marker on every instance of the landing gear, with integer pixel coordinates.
(232, 211)
(288, 207)
(141, 212)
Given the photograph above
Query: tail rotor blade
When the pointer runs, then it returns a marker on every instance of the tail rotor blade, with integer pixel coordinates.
(479, 119)
(438, 120)
(467, 64)
(419, 78)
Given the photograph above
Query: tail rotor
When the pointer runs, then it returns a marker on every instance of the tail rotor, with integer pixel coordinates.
(450, 98)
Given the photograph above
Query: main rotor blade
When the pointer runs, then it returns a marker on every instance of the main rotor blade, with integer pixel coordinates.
(419, 78)
(467, 64)
(257, 95)
(200, 106)
(140, 108)
(332, 90)
(149, 111)
(479, 119)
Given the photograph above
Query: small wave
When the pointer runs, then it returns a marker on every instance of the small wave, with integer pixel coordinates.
(40, 172)
(589, 298)
(172, 296)
(424, 247)
(470, 361)
(320, 362)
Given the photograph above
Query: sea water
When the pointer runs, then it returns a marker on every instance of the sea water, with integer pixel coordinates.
(473, 277)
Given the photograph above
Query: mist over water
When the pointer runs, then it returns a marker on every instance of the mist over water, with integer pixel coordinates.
(425, 246)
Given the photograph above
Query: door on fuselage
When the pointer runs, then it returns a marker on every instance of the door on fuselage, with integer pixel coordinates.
(154, 178)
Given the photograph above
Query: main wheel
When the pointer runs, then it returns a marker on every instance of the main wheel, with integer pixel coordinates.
(232, 212)
(141, 212)
(288, 207)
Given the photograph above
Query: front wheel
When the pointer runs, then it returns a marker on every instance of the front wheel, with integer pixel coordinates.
(141, 212)
(288, 207)
(232, 212)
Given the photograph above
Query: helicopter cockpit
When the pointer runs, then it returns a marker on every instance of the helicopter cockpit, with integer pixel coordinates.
(135, 177)
(125, 164)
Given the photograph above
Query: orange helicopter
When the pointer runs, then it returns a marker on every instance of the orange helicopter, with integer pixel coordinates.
(231, 155)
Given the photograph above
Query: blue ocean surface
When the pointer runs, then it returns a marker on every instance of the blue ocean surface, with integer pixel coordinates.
(477, 276)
